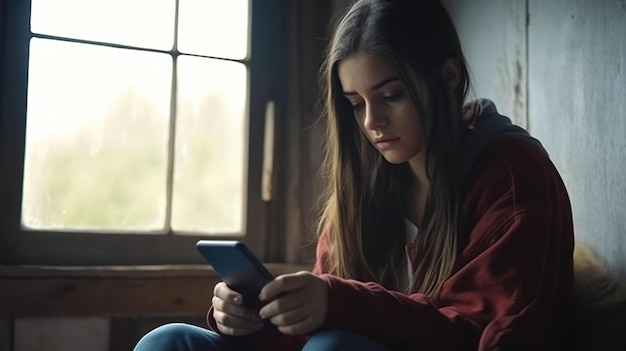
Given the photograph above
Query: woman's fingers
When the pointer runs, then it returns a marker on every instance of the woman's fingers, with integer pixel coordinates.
(282, 284)
(304, 326)
(236, 326)
(229, 314)
(282, 304)
(302, 303)
(291, 316)
(225, 293)
(235, 310)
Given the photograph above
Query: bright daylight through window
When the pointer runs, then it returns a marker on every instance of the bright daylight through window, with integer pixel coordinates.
(136, 119)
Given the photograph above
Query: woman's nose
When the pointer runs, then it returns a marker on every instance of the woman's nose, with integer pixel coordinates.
(375, 118)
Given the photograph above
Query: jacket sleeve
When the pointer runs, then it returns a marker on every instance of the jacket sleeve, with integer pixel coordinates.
(505, 292)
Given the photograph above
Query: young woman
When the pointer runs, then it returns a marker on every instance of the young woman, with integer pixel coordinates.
(445, 227)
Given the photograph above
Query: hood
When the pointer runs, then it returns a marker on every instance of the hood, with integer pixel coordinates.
(489, 126)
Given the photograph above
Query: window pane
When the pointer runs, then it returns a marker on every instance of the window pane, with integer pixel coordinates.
(96, 137)
(210, 142)
(144, 23)
(214, 28)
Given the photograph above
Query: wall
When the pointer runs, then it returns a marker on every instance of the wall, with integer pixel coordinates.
(558, 67)
(577, 105)
(493, 34)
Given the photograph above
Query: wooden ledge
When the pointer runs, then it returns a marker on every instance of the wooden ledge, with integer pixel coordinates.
(47, 291)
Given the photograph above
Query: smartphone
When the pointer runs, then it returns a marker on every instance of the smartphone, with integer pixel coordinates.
(238, 267)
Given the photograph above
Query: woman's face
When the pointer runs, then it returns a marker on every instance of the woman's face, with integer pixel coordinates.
(382, 106)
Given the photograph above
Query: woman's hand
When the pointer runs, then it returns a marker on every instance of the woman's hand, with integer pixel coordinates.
(231, 317)
(298, 302)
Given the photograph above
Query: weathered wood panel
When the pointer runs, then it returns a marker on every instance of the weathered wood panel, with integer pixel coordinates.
(577, 57)
(303, 136)
(6, 335)
(493, 36)
(62, 334)
(73, 292)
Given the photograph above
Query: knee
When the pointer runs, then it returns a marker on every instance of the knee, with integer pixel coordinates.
(336, 340)
(170, 337)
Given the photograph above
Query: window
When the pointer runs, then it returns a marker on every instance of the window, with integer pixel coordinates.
(130, 129)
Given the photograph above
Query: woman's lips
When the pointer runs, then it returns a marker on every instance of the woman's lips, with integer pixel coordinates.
(385, 143)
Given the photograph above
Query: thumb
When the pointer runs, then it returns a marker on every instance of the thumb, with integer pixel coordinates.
(282, 284)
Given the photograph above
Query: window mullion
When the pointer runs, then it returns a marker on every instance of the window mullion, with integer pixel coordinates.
(171, 147)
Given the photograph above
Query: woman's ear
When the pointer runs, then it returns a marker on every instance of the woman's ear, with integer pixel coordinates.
(452, 73)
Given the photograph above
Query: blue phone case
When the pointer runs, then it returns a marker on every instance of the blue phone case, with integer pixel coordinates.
(238, 267)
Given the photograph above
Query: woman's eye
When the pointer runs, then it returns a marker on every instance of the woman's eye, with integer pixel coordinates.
(357, 107)
(393, 97)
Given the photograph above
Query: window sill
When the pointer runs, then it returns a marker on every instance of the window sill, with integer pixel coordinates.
(110, 291)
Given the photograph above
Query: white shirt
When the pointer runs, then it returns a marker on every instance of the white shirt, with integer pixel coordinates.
(411, 235)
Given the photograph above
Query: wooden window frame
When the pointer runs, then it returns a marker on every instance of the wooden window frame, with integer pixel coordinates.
(267, 68)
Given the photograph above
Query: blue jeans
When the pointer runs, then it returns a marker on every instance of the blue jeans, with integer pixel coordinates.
(183, 337)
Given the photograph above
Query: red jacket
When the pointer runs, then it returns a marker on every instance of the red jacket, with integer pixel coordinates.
(513, 285)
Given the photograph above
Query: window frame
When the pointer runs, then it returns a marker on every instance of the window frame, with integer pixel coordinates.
(267, 76)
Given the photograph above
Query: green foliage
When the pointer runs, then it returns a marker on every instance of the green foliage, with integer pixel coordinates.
(111, 173)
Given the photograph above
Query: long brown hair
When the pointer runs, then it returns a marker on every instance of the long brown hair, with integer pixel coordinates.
(364, 202)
